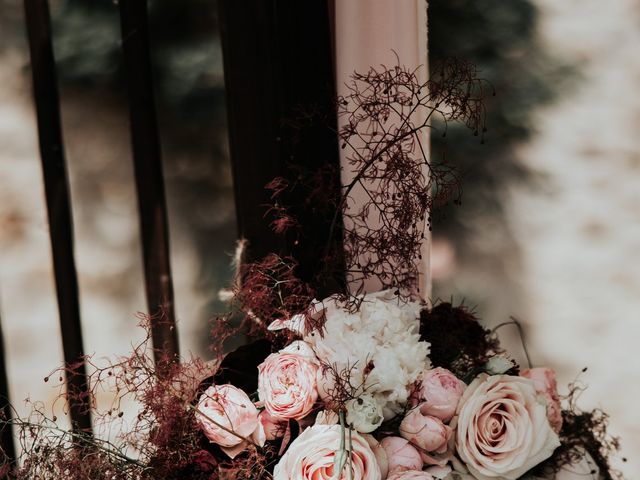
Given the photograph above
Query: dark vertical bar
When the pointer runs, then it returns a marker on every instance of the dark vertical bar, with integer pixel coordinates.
(45, 88)
(149, 179)
(278, 64)
(6, 433)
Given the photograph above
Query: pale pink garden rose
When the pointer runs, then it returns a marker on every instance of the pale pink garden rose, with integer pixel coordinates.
(273, 428)
(287, 385)
(502, 428)
(311, 456)
(380, 453)
(410, 475)
(327, 417)
(228, 418)
(428, 433)
(401, 454)
(544, 380)
(440, 391)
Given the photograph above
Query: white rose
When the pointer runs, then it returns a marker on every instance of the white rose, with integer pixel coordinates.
(498, 365)
(502, 428)
(364, 413)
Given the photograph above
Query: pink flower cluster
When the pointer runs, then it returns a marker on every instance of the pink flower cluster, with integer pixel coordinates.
(498, 427)
(286, 389)
(425, 436)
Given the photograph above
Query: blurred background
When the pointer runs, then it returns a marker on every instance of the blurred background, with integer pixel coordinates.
(548, 230)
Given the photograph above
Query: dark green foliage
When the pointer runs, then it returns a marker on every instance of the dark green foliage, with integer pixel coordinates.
(501, 39)
(187, 58)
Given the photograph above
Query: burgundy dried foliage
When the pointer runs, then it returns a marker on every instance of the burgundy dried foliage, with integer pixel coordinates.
(163, 440)
(458, 342)
(583, 431)
(282, 221)
(269, 289)
(386, 118)
(342, 388)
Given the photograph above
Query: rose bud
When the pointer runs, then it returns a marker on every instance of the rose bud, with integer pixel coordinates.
(228, 418)
(273, 428)
(401, 454)
(441, 391)
(425, 431)
(380, 453)
(544, 381)
(364, 413)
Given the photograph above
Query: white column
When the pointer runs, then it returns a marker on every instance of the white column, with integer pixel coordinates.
(371, 33)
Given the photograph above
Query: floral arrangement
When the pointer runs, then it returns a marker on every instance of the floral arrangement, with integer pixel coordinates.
(360, 398)
(358, 385)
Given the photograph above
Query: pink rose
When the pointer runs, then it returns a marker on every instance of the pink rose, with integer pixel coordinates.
(410, 475)
(441, 390)
(502, 428)
(273, 428)
(427, 433)
(311, 456)
(401, 454)
(287, 385)
(544, 381)
(228, 418)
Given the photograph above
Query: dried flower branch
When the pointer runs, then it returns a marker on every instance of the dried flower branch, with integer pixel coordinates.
(162, 442)
(386, 119)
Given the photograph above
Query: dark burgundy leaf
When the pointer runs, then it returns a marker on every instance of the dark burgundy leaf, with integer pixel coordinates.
(240, 367)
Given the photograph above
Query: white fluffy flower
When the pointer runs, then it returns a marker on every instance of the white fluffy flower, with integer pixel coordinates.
(364, 413)
(379, 345)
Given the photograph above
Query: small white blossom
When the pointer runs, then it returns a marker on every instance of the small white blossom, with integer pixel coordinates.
(498, 365)
(364, 413)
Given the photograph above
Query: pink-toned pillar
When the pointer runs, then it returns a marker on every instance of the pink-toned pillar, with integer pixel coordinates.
(381, 32)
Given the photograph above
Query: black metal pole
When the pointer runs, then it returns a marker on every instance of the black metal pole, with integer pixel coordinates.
(278, 67)
(45, 89)
(7, 443)
(149, 179)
